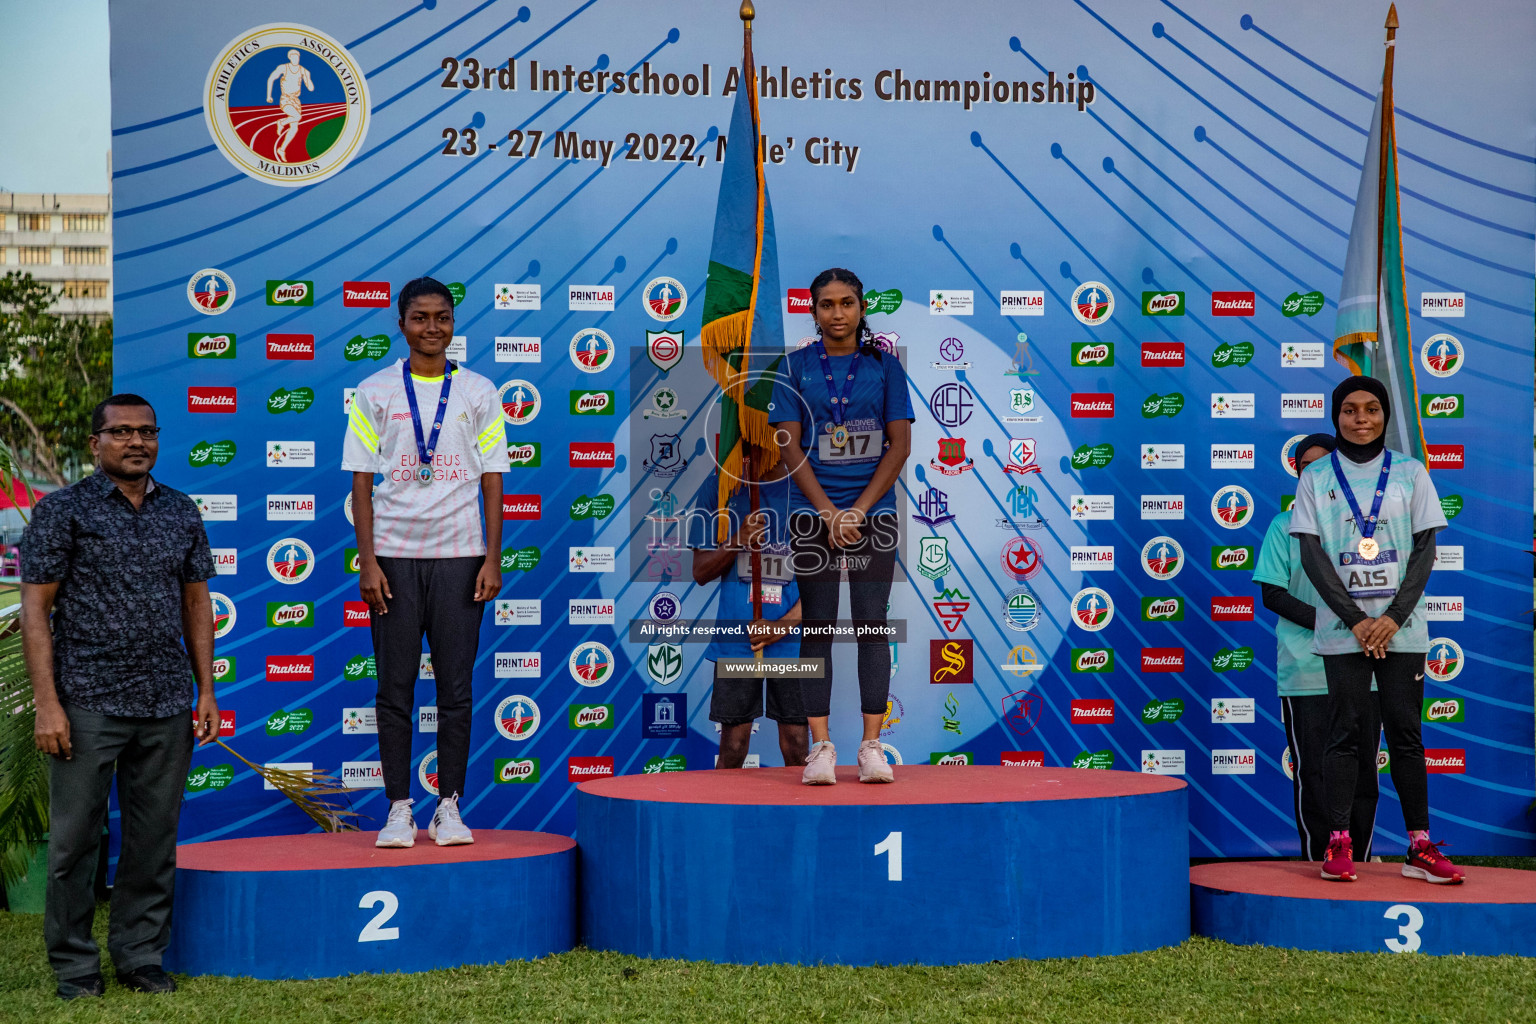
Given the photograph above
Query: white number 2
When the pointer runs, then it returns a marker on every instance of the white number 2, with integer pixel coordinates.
(891, 845)
(371, 931)
(1409, 930)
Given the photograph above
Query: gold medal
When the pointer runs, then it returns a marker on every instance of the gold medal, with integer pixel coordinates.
(839, 436)
(1368, 548)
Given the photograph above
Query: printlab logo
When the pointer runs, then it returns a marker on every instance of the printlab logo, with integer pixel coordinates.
(286, 104)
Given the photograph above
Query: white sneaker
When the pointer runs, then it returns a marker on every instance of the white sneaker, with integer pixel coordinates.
(873, 766)
(821, 766)
(399, 831)
(447, 828)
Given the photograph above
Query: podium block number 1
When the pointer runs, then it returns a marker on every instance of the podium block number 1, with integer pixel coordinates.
(372, 931)
(891, 846)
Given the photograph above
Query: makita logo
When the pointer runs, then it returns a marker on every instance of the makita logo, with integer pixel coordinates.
(290, 346)
(1232, 304)
(1162, 659)
(365, 293)
(354, 613)
(800, 300)
(1093, 405)
(1163, 609)
(210, 399)
(522, 506)
(1443, 456)
(579, 768)
(295, 667)
(1162, 353)
(592, 454)
(1445, 761)
(1232, 609)
(1023, 758)
(1089, 712)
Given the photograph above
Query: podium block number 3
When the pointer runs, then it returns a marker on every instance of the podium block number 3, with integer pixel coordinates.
(1409, 929)
(891, 846)
(373, 930)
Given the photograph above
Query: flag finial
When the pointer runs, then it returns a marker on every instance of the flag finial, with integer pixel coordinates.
(1391, 25)
(747, 13)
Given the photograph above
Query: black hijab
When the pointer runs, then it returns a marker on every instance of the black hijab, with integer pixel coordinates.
(1361, 452)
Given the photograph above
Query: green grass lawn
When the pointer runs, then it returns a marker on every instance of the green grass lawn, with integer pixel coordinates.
(1198, 982)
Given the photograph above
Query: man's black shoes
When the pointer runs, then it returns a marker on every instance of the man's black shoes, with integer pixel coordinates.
(91, 985)
(149, 978)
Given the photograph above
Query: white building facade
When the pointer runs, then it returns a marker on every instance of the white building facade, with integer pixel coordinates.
(63, 240)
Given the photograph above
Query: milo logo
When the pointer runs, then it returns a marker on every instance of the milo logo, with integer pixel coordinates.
(1298, 304)
(211, 453)
(375, 348)
(353, 560)
(1101, 759)
(1093, 353)
(210, 346)
(1226, 355)
(205, 777)
(290, 293)
(1164, 609)
(1162, 303)
(1093, 659)
(597, 507)
(670, 763)
(524, 456)
(1449, 710)
(1162, 405)
(952, 757)
(1238, 557)
(1162, 711)
(296, 721)
(1232, 659)
(1095, 456)
(523, 559)
(290, 400)
(224, 670)
(1442, 406)
(882, 302)
(360, 666)
(591, 716)
(592, 403)
(517, 769)
(296, 613)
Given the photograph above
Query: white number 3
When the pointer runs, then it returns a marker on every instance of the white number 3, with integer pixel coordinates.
(1409, 929)
(372, 932)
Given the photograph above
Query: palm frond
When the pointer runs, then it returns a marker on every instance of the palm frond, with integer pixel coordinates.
(307, 789)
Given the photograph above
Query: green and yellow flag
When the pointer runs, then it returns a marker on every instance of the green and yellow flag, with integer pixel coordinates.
(743, 322)
(1371, 335)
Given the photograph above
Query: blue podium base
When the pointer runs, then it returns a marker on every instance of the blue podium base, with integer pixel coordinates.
(1286, 903)
(949, 865)
(319, 906)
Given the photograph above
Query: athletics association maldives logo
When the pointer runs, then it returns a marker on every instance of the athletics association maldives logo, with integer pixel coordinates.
(1442, 355)
(1444, 660)
(224, 615)
(1232, 507)
(520, 402)
(1092, 609)
(1093, 303)
(591, 350)
(1162, 558)
(591, 664)
(665, 298)
(290, 560)
(211, 291)
(286, 104)
(517, 717)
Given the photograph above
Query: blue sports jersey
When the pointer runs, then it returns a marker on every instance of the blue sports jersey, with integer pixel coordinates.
(879, 396)
(1298, 672)
(780, 592)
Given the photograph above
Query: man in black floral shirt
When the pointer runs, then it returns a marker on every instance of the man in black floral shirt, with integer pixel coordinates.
(122, 565)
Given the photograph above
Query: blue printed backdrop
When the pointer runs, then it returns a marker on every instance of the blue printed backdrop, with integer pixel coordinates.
(1220, 152)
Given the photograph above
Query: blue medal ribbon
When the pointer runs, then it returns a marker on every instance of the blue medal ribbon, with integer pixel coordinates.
(425, 448)
(1366, 525)
(838, 396)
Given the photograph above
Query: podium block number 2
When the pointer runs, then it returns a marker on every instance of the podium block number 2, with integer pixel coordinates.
(1412, 920)
(373, 930)
(891, 846)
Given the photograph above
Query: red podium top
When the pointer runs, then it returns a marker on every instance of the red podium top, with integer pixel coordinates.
(1294, 879)
(321, 851)
(915, 784)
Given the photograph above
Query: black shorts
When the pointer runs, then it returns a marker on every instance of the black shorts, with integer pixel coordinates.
(738, 701)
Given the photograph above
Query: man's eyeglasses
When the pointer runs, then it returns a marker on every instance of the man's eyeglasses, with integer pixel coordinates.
(124, 433)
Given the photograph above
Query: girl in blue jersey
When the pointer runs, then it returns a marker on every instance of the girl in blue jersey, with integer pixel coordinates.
(1366, 518)
(844, 428)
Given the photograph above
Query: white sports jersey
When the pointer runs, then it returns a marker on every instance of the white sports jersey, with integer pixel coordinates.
(412, 519)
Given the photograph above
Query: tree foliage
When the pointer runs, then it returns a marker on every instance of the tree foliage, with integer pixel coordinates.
(53, 371)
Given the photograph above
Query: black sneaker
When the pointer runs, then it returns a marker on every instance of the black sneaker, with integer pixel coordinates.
(88, 986)
(149, 978)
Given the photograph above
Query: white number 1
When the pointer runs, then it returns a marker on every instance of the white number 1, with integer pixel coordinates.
(891, 844)
(1409, 929)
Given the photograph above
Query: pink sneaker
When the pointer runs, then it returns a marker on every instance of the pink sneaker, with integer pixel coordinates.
(873, 767)
(1339, 862)
(1427, 862)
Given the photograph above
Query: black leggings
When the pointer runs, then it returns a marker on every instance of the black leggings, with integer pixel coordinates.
(871, 565)
(1400, 693)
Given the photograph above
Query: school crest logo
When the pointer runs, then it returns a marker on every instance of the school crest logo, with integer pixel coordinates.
(1021, 456)
(1022, 558)
(1092, 609)
(933, 557)
(1232, 507)
(951, 460)
(665, 299)
(666, 456)
(286, 104)
(591, 350)
(520, 402)
(1093, 303)
(290, 560)
(665, 348)
(1162, 558)
(211, 292)
(664, 663)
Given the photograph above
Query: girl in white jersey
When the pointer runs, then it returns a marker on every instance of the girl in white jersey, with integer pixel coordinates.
(1366, 519)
